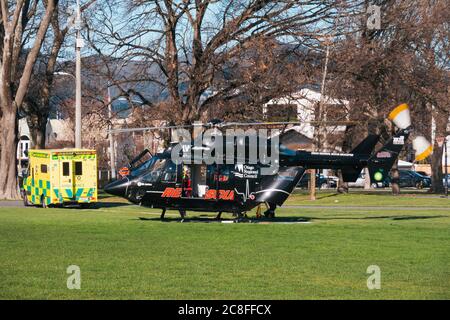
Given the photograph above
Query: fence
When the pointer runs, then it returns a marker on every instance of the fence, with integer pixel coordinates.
(104, 177)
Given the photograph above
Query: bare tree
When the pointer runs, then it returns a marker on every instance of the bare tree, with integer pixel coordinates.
(15, 16)
(37, 102)
(190, 45)
(404, 61)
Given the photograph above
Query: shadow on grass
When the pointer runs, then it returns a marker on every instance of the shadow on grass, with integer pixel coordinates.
(379, 217)
(240, 220)
(98, 205)
(328, 196)
(282, 220)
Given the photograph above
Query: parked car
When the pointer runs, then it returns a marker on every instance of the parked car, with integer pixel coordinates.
(409, 178)
(333, 181)
(423, 173)
(448, 180)
(321, 181)
(361, 182)
(386, 183)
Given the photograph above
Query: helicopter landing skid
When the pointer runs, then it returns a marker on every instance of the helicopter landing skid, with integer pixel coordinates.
(241, 217)
(182, 214)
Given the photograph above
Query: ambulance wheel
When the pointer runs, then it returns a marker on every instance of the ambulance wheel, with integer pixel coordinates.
(43, 203)
(85, 205)
(26, 203)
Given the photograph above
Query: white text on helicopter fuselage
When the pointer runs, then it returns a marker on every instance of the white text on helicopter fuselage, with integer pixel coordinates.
(332, 154)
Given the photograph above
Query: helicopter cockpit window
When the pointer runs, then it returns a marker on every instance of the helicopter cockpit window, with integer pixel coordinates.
(143, 167)
(170, 173)
(155, 171)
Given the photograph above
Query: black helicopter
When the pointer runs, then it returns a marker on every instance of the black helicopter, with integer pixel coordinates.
(158, 181)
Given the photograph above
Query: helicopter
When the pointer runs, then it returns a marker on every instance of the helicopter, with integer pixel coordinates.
(237, 186)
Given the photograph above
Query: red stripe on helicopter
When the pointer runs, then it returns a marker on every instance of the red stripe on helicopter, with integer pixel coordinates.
(172, 193)
(222, 195)
(227, 195)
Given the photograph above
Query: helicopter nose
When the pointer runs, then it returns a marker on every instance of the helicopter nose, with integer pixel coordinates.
(118, 187)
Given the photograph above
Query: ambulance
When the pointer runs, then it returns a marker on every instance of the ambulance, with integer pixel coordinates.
(60, 177)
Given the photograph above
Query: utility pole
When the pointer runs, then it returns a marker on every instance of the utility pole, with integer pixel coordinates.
(312, 177)
(78, 45)
(112, 151)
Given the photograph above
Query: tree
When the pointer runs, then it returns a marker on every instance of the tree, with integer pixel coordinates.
(37, 102)
(15, 16)
(404, 61)
(194, 43)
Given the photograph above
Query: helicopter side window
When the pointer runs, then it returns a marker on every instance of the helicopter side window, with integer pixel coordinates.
(221, 174)
(155, 171)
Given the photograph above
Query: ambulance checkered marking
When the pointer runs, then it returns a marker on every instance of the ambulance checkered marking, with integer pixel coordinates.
(76, 157)
(36, 189)
(81, 193)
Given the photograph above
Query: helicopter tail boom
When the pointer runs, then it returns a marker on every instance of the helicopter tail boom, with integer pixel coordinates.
(351, 164)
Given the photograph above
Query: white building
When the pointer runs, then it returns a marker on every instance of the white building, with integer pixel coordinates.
(302, 105)
(57, 130)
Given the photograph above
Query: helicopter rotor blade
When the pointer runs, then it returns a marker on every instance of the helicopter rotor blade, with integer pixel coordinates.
(126, 130)
(328, 123)
(234, 124)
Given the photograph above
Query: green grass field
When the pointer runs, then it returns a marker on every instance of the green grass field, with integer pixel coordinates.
(125, 252)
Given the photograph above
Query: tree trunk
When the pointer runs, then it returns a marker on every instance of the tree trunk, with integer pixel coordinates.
(38, 129)
(342, 186)
(395, 179)
(367, 181)
(8, 169)
(437, 175)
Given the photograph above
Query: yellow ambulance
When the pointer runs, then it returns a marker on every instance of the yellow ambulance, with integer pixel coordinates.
(60, 177)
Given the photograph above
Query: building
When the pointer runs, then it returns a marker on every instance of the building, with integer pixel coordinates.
(301, 107)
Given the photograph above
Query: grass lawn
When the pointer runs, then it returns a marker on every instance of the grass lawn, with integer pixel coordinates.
(122, 256)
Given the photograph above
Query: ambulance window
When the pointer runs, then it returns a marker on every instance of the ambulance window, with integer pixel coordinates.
(43, 168)
(78, 168)
(66, 171)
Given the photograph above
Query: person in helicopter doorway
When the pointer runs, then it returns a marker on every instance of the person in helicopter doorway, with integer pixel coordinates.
(187, 183)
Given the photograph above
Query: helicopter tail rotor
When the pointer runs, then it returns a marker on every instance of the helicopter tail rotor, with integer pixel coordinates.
(401, 116)
(422, 147)
(382, 161)
(402, 119)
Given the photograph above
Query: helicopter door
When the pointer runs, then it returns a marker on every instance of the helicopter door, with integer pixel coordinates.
(199, 186)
